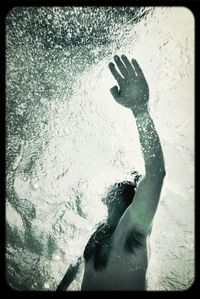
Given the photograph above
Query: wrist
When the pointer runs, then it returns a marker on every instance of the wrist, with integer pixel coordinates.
(140, 110)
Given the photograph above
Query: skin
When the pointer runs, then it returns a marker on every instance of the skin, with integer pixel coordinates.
(126, 268)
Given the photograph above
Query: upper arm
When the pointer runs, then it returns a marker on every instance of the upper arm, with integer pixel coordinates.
(139, 215)
(145, 202)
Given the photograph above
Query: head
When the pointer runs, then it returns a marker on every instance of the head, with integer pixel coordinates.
(119, 197)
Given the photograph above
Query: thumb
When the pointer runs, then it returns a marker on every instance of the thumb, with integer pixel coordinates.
(115, 92)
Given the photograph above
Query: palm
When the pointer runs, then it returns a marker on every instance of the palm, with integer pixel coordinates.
(133, 89)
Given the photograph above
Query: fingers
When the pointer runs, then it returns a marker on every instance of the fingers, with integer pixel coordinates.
(126, 68)
(115, 92)
(120, 66)
(138, 70)
(115, 73)
(128, 65)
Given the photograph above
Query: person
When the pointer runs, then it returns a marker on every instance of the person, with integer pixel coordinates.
(117, 254)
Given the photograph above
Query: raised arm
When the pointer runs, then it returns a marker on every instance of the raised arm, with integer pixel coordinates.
(133, 93)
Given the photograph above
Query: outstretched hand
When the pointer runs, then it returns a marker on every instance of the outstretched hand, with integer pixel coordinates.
(133, 90)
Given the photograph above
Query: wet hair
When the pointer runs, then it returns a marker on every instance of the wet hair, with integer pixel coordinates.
(125, 188)
(128, 192)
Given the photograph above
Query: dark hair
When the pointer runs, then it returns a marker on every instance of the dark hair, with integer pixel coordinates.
(125, 188)
(128, 192)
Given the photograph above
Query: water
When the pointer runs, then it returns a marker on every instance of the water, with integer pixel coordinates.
(68, 140)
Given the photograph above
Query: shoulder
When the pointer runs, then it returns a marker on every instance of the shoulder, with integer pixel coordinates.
(97, 240)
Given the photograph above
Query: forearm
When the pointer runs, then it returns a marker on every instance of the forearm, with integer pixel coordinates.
(134, 94)
(150, 143)
(69, 276)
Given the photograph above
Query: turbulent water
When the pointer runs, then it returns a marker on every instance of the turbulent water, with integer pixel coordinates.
(67, 140)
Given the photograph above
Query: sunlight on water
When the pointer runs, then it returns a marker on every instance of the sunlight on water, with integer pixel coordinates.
(68, 140)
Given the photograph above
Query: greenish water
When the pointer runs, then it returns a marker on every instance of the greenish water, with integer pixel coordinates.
(67, 140)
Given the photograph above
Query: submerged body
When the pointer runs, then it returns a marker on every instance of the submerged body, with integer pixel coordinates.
(116, 256)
